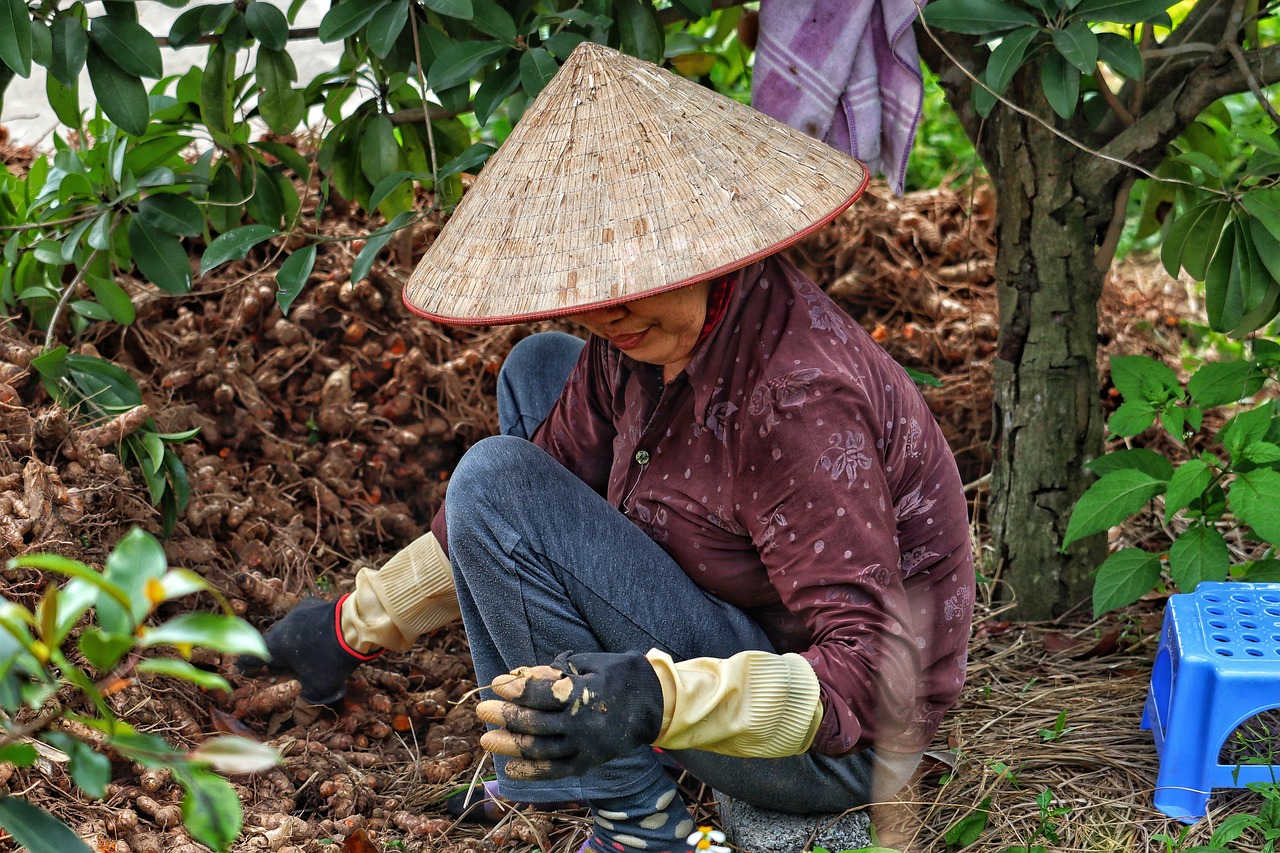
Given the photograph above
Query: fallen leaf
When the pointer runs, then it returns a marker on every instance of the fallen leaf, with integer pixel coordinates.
(358, 842)
(230, 724)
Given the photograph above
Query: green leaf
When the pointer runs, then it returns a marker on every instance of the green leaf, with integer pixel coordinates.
(537, 67)
(1223, 299)
(1109, 501)
(226, 634)
(1221, 382)
(215, 92)
(90, 770)
(1259, 571)
(293, 274)
(385, 27)
(112, 297)
(1202, 161)
(639, 30)
(969, 828)
(146, 749)
(1123, 578)
(1259, 292)
(236, 755)
(1266, 245)
(1264, 205)
(1193, 237)
(977, 17)
(1121, 11)
(496, 88)
(210, 808)
(1262, 453)
(1188, 483)
(388, 185)
(188, 27)
(180, 669)
(1142, 378)
(491, 19)
(463, 10)
(459, 62)
(268, 24)
(374, 244)
(15, 36)
(18, 754)
(70, 49)
(1121, 54)
(170, 213)
(103, 649)
(122, 96)
(1199, 554)
(41, 44)
(64, 100)
(379, 148)
(1061, 84)
(1131, 419)
(1255, 499)
(345, 18)
(234, 245)
(1004, 63)
(137, 559)
(469, 160)
(1078, 45)
(36, 829)
(128, 44)
(159, 257)
(1138, 458)
(282, 107)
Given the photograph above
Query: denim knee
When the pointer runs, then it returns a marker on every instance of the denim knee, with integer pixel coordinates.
(532, 354)
(492, 481)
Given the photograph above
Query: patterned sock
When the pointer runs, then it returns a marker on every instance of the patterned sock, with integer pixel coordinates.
(654, 820)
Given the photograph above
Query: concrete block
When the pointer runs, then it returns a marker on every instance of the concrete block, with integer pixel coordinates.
(756, 830)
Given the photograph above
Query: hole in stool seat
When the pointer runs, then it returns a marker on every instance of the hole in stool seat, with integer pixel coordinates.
(1255, 741)
(1226, 653)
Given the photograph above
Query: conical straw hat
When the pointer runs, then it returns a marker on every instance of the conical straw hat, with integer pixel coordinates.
(623, 180)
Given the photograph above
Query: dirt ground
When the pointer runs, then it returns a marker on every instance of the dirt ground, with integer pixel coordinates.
(326, 442)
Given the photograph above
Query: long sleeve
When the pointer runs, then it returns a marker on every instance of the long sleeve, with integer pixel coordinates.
(411, 595)
(753, 705)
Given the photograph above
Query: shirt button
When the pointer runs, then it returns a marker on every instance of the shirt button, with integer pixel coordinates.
(642, 457)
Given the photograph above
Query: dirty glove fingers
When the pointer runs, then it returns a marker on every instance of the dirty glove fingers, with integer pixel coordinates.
(535, 748)
(521, 720)
(519, 768)
(553, 691)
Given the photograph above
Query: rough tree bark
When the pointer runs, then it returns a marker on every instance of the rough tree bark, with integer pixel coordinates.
(1059, 210)
(1047, 420)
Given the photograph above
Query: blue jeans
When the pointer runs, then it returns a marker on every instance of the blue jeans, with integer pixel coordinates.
(544, 565)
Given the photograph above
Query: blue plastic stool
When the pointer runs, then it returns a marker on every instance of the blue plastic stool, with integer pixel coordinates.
(1218, 664)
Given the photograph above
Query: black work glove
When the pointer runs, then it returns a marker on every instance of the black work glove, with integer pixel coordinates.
(308, 644)
(577, 713)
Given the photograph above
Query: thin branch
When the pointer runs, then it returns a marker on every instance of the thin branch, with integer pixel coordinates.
(1196, 48)
(1097, 173)
(34, 226)
(1110, 97)
(1168, 117)
(216, 38)
(1243, 65)
(1106, 252)
(66, 296)
(417, 114)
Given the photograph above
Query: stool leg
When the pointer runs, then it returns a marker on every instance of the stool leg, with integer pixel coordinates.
(1183, 783)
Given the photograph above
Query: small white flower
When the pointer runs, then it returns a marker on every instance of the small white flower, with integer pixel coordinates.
(708, 839)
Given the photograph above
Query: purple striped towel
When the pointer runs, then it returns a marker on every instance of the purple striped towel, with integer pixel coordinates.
(845, 72)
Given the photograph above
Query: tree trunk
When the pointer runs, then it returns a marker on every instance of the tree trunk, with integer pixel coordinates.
(1047, 421)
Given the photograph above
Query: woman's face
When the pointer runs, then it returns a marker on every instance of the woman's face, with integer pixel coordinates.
(661, 329)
